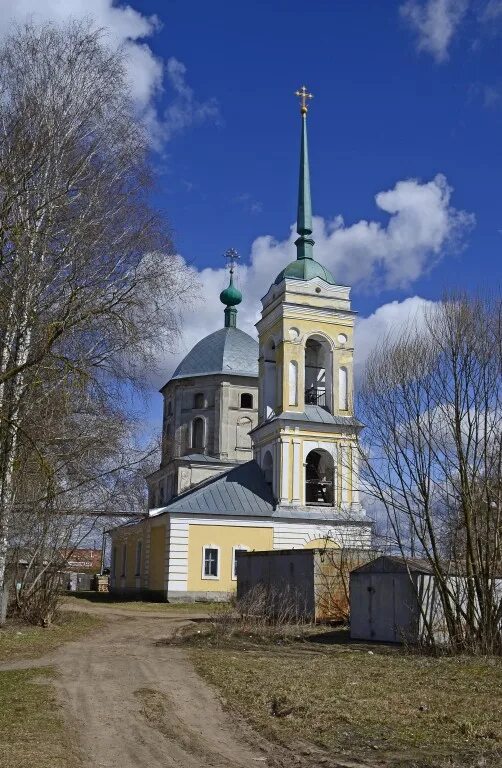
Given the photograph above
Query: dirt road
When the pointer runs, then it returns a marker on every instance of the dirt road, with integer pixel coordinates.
(134, 704)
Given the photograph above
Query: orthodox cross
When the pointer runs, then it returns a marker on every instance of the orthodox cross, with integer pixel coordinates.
(303, 94)
(232, 257)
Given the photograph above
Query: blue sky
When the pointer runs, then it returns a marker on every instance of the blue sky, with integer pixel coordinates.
(404, 131)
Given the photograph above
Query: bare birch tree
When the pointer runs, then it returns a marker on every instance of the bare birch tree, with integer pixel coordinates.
(432, 403)
(89, 284)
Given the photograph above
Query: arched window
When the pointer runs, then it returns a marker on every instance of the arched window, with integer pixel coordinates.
(270, 380)
(198, 400)
(246, 400)
(320, 478)
(198, 434)
(243, 439)
(343, 398)
(268, 468)
(318, 373)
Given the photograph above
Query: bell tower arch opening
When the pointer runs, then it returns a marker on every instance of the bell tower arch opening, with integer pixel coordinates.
(320, 478)
(318, 379)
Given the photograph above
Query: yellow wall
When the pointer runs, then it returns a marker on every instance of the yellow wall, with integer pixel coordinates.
(225, 537)
(157, 557)
(321, 544)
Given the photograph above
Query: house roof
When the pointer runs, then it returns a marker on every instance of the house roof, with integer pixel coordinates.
(228, 350)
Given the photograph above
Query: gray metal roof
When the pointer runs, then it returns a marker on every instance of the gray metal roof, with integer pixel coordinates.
(202, 458)
(395, 564)
(242, 491)
(228, 350)
(239, 491)
(319, 415)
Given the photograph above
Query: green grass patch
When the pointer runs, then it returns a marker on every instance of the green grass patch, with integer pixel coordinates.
(24, 641)
(382, 704)
(32, 732)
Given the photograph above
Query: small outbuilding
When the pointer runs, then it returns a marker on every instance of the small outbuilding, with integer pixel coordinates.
(299, 584)
(393, 598)
(383, 599)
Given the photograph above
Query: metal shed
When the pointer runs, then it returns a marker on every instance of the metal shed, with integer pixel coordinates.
(390, 596)
(310, 584)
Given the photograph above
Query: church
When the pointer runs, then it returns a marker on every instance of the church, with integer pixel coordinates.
(259, 438)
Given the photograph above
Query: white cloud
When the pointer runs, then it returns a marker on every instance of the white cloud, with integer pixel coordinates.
(184, 109)
(386, 321)
(126, 28)
(435, 23)
(492, 12)
(422, 225)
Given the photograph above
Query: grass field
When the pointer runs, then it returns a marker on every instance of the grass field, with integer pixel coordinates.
(374, 703)
(23, 641)
(32, 732)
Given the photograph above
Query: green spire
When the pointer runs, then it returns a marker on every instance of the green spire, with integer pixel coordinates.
(304, 267)
(231, 296)
(304, 218)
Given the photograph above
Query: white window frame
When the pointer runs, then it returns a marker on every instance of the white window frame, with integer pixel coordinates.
(218, 569)
(237, 548)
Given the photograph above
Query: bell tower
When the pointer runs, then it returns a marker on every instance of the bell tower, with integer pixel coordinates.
(306, 438)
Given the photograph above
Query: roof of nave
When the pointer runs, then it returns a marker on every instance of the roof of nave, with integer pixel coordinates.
(241, 490)
(228, 350)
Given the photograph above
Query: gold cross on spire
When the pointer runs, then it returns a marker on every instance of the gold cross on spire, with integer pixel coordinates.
(303, 95)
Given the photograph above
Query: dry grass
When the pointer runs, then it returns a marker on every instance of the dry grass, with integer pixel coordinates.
(364, 702)
(24, 641)
(32, 732)
(113, 602)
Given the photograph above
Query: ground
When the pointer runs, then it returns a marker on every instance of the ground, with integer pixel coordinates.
(127, 695)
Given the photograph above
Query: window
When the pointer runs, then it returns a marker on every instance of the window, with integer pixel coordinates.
(198, 434)
(246, 400)
(293, 382)
(238, 548)
(114, 561)
(161, 495)
(124, 560)
(343, 400)
(169, 408)
(268, 404)
(198, 400)
(210, 562)
(243, 438)
(139, 550)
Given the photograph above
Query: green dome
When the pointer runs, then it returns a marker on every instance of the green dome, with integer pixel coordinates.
(305, 269)
(231, 296)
